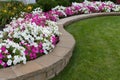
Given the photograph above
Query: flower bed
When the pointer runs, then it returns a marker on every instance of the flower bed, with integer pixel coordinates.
(36, 33)
(27, 38)
(86, 7)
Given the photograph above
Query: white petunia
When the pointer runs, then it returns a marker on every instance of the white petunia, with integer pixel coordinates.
(9, 62)
(9, 56)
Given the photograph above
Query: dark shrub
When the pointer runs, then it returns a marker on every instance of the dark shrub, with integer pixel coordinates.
(63, 2)
(76, 1)
(47, 4)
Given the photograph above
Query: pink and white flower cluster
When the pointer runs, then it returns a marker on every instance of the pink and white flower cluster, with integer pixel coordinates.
(27, 38)
(86, 7)
(11, 53)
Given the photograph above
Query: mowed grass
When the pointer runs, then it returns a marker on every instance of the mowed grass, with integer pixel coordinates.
(97, 51)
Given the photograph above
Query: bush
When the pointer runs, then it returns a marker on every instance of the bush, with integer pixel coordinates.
(109, 0)
(11, 9)
(8, 10)
(76, 1)
(47, 4)
(63, 2)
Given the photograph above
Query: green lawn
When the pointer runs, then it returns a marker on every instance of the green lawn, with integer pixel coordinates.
(97, 52)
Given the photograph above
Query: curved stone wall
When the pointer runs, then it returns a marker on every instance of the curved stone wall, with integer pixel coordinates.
(48, 66)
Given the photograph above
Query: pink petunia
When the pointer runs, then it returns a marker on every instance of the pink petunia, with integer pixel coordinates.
(3, 48)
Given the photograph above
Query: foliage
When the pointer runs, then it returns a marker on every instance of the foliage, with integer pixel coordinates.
(11, 9)
(76, 1)
(47, 5)
(63, 2)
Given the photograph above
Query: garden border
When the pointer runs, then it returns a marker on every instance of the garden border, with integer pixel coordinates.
(48, 66)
